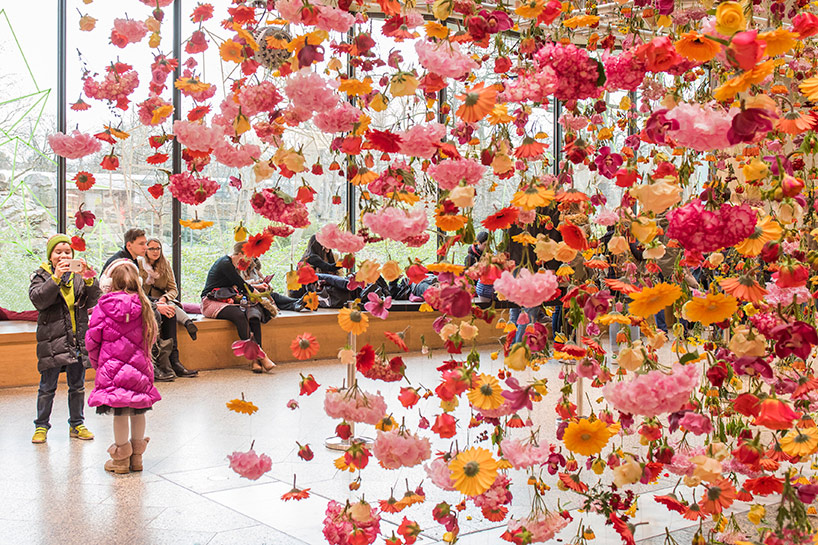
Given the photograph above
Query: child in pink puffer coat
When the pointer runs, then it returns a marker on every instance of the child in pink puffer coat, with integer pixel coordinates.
(120, 335)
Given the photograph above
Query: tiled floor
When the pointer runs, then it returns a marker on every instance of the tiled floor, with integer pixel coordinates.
(59, 492)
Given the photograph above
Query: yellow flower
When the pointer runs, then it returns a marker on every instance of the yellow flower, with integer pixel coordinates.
(292, 280)
(378, 103)
(445, 267)
(356, 88)
(755, 170)
(353, 321)
(195, 224)
(499, 114)
(800, 442)
(649, 301)
(565, 270)
(658, 196)
(586, 437)
(524, 238)
(779, 41)
(310, 300)
(231, 51)
(532, 197)
(517, 359)
(386, 423)
(710, 309)
(473, 471)
(403, 84)
(530, 9)
(368, 272)
(161, 113)
(730, 18)
(241, 406)
(487, 393)
(391, 271)
(756, 513)
(436, 30)
(240, 232)
(645, 230)
(730, 88)
(581, 21)
(767, 230)
(810, 88)
(441, 9)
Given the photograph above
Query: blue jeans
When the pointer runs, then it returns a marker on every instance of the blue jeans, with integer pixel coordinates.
(660, 320)
(75, 374)
(514, 314)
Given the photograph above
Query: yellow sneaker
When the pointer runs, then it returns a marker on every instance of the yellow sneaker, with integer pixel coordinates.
(81, 432)
(39, 435)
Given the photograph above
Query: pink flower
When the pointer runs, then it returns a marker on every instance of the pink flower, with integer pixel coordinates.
(342, 118)
(577, 73)
(197, 43)
(278, 206)
(196, 136)
(75, 145)
(378, 307)
(119, 82)
(249, 464)
(397, 224)
(291, 10)
(702, 128)
(422, 140)
(654, 392)
(785, 296)
(706, 231)
(146, 108)
(526, 289)
(309, 91)
(523, 455)
(132, 31)
(440, 474)
(697, 424)
(399, 448)
(248, 349)
(238, 157)
(542, 525)
(496, 496)
(449, 173)
(606, 217)
(190, 189)
(341, 523)
(534, 86)
(333, 238)
(624, 72)
(255, 99)
(444, 59)
(355, 406)
(330, 18)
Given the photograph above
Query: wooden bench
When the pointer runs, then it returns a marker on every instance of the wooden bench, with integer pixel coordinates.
(211, 350)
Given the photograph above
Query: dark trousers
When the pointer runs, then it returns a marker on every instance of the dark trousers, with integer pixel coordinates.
(247, 320)
(75, 373)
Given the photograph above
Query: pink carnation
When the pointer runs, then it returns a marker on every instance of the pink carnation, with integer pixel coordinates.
(309, 91)
(249, 464)
(523, 455)
(154, 3)
(606, 217)
(697, 424)
(496, 496)
(786, 296)
(542, 526)
(236, 157)
(75, 145)
(624, 72)
(654, 392)
(255, 99)
(577, 73)
(291, 10)
(702, 128)
(277, 206)
(533, 86)
(329, 236)
(191, 190)
(330, 18)
(339, 525)
(440, 474)
(342, 118)
(526, 289)
(444, 59)
(449, 173)
(397, 224)
(396, 448)
(422, 140)
(196, 136)
(707, 231)
(146, 108)
(357, 406)
(223, 121)
(114, 87)
(133, 31)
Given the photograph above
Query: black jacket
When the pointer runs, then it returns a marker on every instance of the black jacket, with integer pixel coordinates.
(121, 254)
(57, 345)
(223, 275)
(473, 255)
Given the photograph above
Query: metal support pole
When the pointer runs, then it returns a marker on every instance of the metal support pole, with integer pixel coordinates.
(62, 39)
(441, 118)
(557, 137)
(351, 208)
(176, 206)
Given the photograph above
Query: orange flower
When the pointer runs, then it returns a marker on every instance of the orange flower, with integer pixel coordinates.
(743, 288)
(697, 47)
(397, 338)
(502, 219)
(794, 122)
(477, 103)
(232, 51)
(618, 285)
(718, 497)
(450, 222)
(600, 264)
(84, 180)
(257, 244)
(310, 300)
(304, 346)
(572, 482)
(363, 177)
(241, 406)
(296, 494)
(392, 505)
(572, 196)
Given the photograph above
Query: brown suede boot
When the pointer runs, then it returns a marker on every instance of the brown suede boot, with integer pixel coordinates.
(139, 446)
(120, 458)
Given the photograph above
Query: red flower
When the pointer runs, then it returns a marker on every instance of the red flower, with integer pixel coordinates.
(202, 12)
(317, 169)
(671, 503)
(383, 140)
(357, 455)
(305, 194)
(495, 515)
(159, 140)
(626, 177)
(249, 349)
(351, 145)
(156, 190)
(110, 162)
(776, 415)
(308, 383)
(242, 15)
(197, 113)
(304, 451)
(304, 347)
(764, 486)
(343, 430)
(78, 244)
(502, 219)
(80, 105)
(396, 338)
(623, 529)
(416, 272)
(83, 218)
(445, 426)
(573, 236)
(747, 404)
(256, 245)
(409, 530)
(408, 397)
(84, 180)
(365, 358)
(572, 482)
(157, 158)
(306, 275)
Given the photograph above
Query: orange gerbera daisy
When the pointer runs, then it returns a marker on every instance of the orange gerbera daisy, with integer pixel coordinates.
(363, 177)
(600, 264)
(241, 405)
(572, 196)
(296, 493)
(477, 103)
(256, 245)
(397, 338)
(794, 123)
(304, 346)
(310, 300)
(529, 149)
(450, 222)
(392, 505)
(744, 288)
(353, 321)
(719, 496)
(502, 219)
(697, 47)
(619, 285)
(84, 180)
(232, 51)
(572, 482)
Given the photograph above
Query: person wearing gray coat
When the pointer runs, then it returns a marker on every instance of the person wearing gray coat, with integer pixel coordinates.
(63, 299)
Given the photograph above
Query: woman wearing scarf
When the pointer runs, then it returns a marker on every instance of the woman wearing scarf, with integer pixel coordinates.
(62, 299)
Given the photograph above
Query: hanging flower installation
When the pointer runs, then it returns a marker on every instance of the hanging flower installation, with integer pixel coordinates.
(683, 188)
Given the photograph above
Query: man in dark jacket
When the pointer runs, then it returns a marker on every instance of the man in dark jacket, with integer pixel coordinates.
(136, 244)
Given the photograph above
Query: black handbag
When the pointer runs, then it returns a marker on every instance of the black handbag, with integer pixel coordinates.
(224, 295)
